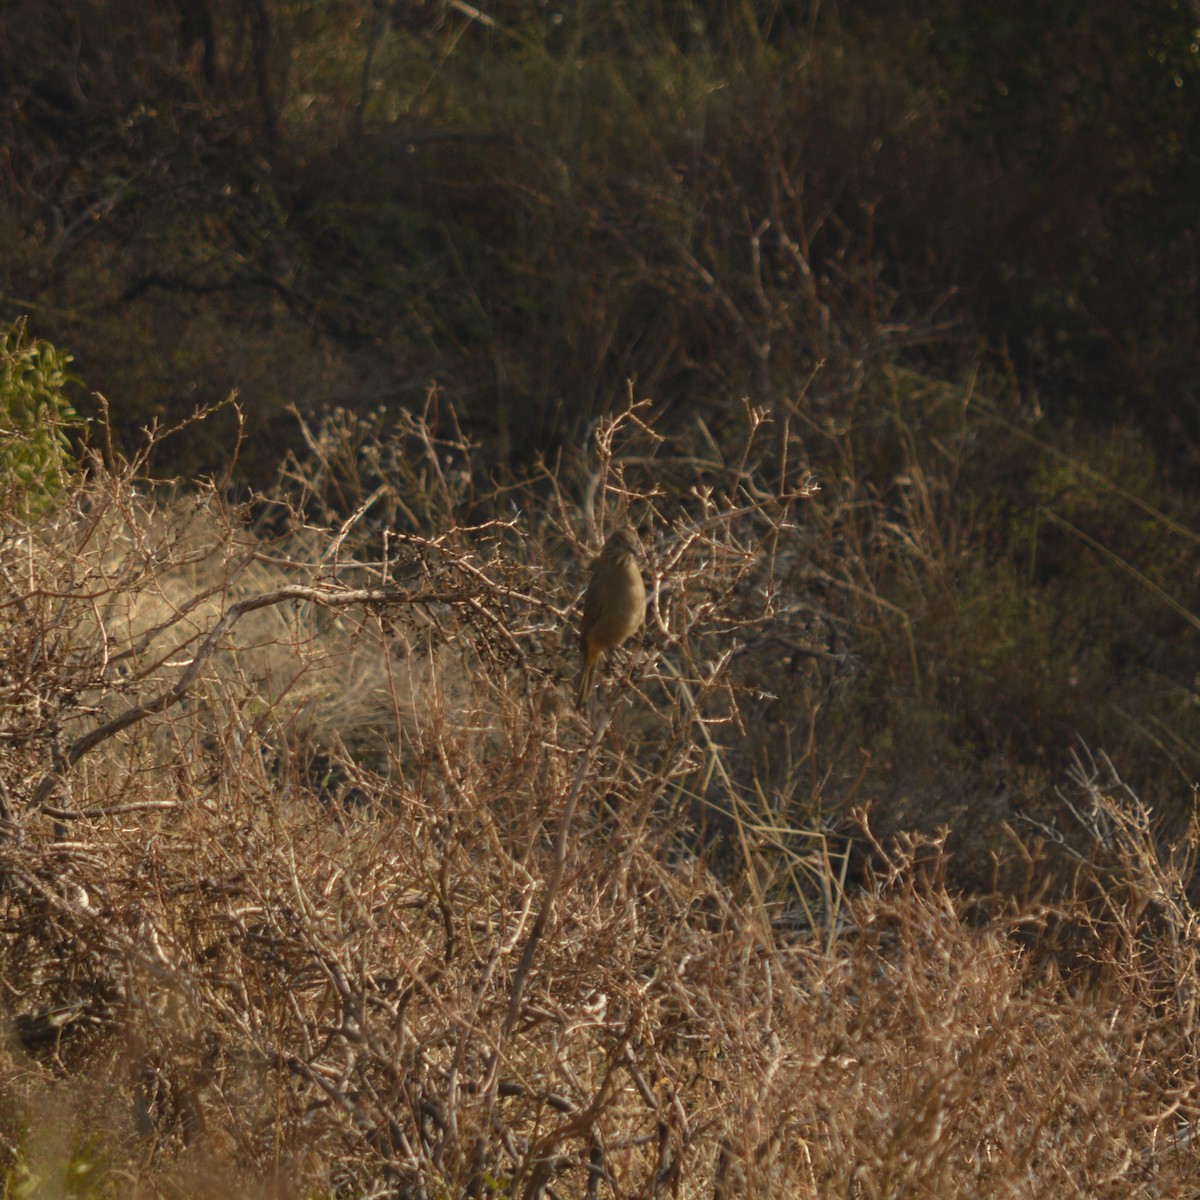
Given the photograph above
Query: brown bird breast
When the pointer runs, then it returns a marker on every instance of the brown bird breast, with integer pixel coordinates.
(614, 604)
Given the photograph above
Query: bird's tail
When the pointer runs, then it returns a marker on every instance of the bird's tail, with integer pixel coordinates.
(586, 675)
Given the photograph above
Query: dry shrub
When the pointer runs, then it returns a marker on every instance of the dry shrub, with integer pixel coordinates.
(314, 883)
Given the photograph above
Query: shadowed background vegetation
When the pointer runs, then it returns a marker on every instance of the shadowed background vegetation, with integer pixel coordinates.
(338, 203)
(483, 277)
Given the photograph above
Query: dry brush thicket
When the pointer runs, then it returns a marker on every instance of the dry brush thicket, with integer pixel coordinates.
(314, 883)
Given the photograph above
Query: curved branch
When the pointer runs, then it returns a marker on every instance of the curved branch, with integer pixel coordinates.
(230, 617)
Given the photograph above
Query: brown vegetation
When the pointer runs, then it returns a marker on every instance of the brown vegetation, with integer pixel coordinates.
(316, 883)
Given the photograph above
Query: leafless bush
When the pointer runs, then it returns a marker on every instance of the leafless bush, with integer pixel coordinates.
(316, 878)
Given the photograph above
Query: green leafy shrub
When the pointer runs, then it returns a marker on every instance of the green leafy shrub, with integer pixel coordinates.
(36, 418)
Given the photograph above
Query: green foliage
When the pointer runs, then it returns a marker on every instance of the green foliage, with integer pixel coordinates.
(50, 1149)
(36, 418)
(77, 1179)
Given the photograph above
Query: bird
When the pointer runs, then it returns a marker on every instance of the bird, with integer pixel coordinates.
(614, 604)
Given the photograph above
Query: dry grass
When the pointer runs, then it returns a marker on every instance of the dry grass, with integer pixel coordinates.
(315, 883)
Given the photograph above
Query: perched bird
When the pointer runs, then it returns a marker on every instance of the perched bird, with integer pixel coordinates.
(613, 606)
